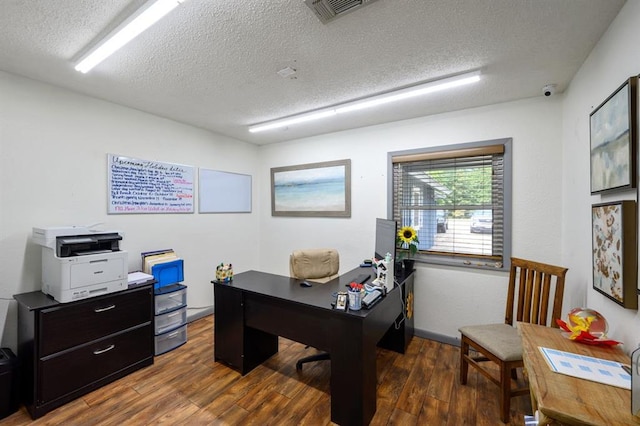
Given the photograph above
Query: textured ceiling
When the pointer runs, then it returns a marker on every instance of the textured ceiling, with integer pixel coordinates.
(213, 63)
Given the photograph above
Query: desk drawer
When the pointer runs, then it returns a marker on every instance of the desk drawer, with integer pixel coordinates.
(67, 325)
(72, 370)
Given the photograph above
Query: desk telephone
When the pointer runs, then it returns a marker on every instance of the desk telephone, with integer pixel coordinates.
(371, 298)
(374, 292)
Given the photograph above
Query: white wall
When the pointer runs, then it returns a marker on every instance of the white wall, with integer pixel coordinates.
(53, 146)
(614, 59)
(445, 298)
(53, 172)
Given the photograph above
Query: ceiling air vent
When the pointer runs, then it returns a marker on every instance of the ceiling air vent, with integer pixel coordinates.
(328, 10)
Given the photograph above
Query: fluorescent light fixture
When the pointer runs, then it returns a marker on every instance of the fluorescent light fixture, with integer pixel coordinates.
(143, 18)
(372, 101)
(293, 120)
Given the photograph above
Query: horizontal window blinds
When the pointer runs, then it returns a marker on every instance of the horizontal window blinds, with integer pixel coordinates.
(455, 199)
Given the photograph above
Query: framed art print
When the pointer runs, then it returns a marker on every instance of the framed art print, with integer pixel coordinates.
(317, 189)
(614, 251)
(613, 140)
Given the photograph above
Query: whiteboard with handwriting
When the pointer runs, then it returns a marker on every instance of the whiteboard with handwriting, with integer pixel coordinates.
(145, 186)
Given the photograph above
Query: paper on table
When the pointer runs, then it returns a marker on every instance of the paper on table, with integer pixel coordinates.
(138, 278)
(586, 367)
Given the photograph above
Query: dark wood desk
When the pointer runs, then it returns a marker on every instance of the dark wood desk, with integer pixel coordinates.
(256, 307)
(568, 400)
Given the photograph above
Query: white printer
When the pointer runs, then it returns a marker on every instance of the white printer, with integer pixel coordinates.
(78, 262)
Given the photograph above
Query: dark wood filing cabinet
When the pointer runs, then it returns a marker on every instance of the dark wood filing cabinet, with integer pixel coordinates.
(69, 349)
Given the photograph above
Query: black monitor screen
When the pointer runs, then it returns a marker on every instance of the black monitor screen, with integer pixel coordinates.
(386, 231)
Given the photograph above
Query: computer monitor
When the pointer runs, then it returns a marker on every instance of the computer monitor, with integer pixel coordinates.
(386, 231)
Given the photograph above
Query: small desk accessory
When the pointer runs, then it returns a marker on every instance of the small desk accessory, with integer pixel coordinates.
(224, 272)
(341, 301)
(356, 292)
(586, 326)
(385, 273)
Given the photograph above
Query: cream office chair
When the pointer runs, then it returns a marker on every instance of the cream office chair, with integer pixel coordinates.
(530, 285)
(318, 265)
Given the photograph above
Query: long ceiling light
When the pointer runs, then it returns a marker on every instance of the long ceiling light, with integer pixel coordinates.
(150, 13)
(372, 101)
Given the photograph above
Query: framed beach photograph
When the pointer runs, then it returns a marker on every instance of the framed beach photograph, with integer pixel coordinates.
(613, 140)
(614, 251)
(312, 190)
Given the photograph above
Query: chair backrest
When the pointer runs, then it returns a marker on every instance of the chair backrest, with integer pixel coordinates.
(315, 264)
(530, 286)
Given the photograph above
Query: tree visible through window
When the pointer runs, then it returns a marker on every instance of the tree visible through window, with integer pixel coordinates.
(458, 200)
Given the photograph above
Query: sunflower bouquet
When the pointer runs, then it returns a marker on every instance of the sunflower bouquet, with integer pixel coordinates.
(408, 239)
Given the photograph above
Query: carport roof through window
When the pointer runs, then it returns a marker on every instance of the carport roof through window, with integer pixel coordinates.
(456, 199)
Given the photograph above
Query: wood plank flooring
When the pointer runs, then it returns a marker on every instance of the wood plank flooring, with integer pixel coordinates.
(186, 387)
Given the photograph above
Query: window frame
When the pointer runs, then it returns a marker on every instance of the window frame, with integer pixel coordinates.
(464, 260)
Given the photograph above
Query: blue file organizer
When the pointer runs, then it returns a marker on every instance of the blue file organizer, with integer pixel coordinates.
(171, 323)
(168, 273)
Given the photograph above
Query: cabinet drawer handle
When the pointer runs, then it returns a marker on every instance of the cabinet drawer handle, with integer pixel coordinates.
(101, 351)
(107, 308)
(173, 314)
(172, 335)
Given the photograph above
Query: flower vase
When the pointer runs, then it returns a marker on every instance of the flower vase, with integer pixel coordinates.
(408, 264)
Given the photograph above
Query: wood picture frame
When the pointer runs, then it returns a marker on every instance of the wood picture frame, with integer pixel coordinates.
(312, 190)
(613, 140)
(614, 251)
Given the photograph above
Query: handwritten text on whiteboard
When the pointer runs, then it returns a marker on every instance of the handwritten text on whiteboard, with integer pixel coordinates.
(143, 186)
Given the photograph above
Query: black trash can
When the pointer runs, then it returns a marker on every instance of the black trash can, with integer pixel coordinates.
(9, 394)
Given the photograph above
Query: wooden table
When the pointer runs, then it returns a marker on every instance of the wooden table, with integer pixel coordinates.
(568, 400)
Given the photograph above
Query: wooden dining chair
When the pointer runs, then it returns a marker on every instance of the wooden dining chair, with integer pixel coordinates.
(531, 285)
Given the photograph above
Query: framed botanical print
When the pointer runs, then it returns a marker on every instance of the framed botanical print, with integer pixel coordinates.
(614, 251)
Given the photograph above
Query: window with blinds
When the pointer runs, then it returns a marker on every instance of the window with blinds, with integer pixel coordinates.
(458, 199)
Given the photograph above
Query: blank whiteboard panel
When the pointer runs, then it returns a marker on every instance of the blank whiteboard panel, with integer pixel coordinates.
(224, 192)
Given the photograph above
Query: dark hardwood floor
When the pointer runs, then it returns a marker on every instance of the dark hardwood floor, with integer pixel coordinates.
(186, 387)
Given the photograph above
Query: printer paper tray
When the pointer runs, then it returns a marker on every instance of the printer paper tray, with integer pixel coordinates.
(90, 252)
(95, 271)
